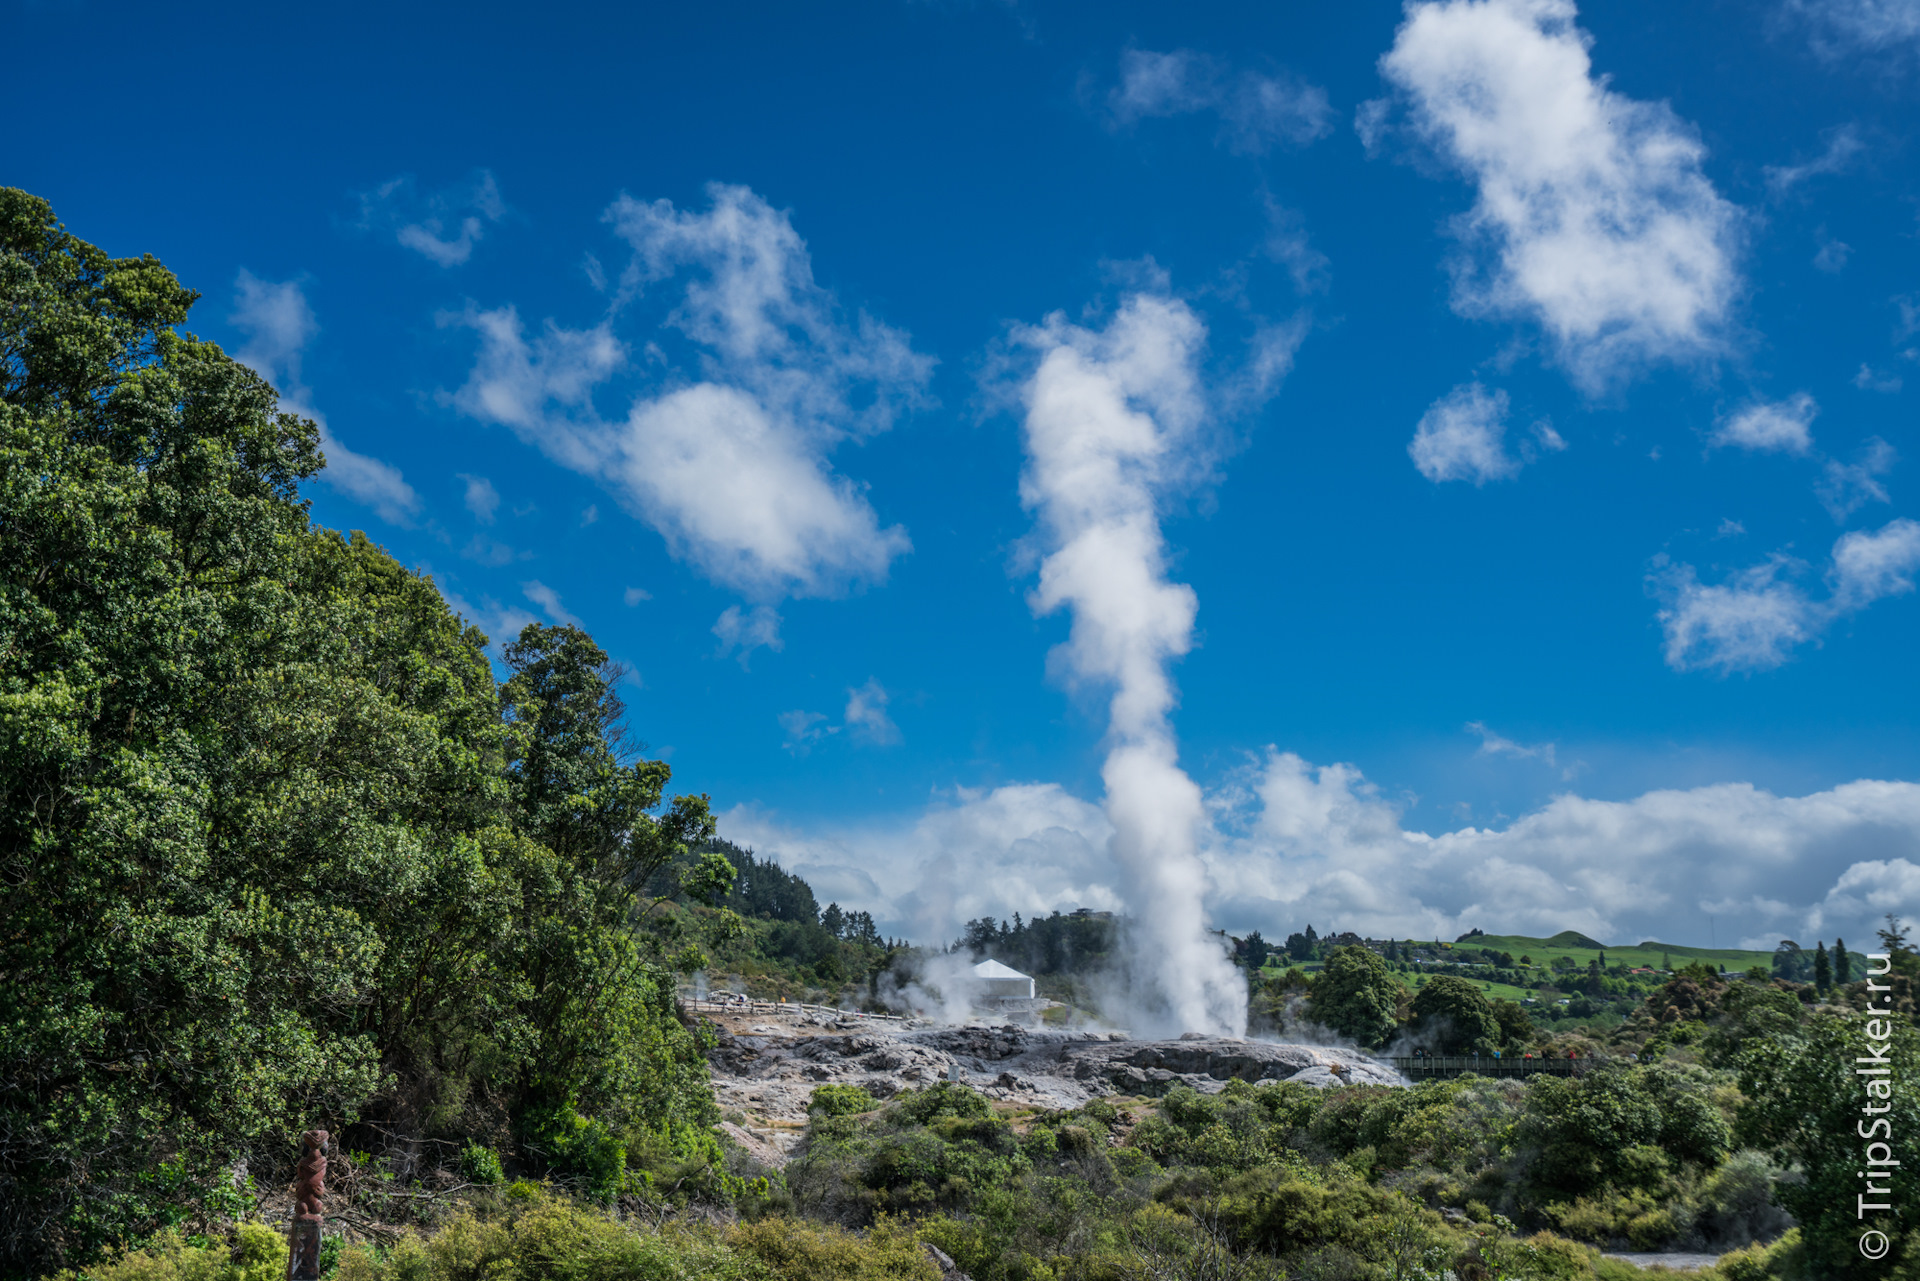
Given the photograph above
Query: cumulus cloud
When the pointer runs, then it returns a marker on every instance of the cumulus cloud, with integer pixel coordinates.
(1288, 841)
(1784, 427)
(1462, 436)
(279, 323)
(1257, 112)
(441, 226)
(730, 467)
(1025, 847)
(1594, 218)
(1757, 617)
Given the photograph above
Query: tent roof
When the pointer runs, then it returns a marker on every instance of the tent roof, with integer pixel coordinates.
(992, 969)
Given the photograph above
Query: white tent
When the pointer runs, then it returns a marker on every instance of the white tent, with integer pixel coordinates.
(997, 980)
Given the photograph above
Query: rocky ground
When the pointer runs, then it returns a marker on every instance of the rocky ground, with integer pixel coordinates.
(765, 1069)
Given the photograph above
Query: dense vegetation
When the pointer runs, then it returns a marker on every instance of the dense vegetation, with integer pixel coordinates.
(278, 850)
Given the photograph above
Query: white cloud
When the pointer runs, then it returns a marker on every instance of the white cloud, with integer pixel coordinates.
(1783, 427)
(279, 323)
(1752, 621)
(482, 499)
(634, 595)
(1843, 26)
(1832, 255)
(1760, 615)
(1287, 244)
(866, 715)
(1843, 145)
(442, 226)
(1869, 566)
(1653, 867)
(1868, 379)
(1025, 847)
(492, 552)
(1257, 112)
(1289, 842)
(1462, 436)
(1844, 488)
(1494, 744)
(549, 602)
(731, 468)
(804, 729)
(502, 623)
(748, 630)
(1593, 216)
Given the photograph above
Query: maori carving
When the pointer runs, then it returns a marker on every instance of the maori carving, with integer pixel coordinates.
(309, 1211)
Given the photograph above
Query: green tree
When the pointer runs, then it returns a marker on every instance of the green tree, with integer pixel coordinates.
(1822, 969)
(275, 850)
(1356, 995)
(1807, 1105)
(1456, 1017)
(1257, 950)
(1515, 1027)
(1842, 963)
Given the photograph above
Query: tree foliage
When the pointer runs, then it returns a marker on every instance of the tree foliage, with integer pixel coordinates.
(1356, 995)
(276, 849)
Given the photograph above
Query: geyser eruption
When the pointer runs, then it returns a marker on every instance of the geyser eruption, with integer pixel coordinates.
(1113, 424)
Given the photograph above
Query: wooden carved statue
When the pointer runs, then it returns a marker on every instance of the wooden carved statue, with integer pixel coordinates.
(309, 1210)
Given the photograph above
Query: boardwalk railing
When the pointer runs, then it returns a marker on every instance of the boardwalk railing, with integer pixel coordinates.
(700, 1005)
(1427, 1068)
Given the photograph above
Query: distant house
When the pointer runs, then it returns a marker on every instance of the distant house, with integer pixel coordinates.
(1002, 982)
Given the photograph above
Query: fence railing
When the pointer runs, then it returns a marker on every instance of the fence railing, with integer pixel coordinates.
(703, 1005)
(1429, 1066)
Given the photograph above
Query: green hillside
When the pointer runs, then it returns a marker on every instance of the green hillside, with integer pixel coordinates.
(1582, 949)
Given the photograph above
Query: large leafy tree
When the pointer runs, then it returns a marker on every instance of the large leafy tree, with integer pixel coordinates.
(275, 848)
(1456, 1016)
(1356, 995)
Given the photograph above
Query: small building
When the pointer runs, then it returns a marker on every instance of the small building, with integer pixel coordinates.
(997, 982)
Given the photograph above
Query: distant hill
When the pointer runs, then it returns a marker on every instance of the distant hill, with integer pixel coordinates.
(1581, 948)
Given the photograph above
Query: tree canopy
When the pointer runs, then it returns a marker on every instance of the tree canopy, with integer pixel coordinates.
(277, 849)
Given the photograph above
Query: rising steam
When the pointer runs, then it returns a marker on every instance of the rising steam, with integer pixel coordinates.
(1114, 423)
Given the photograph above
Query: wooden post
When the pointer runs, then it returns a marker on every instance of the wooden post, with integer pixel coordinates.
(309, 1210)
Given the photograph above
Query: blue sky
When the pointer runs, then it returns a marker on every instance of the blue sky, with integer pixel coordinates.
(1526, 397)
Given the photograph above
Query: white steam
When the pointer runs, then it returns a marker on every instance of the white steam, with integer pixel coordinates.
(1113, 424)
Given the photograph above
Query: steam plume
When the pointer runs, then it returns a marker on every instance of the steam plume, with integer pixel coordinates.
(1114, 421)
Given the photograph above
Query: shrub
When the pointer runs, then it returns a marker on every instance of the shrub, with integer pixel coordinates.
(840, 1100)
(255, 1253)
(481, 1164)
(795, 1250)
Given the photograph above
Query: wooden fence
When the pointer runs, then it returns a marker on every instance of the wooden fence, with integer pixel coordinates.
(698, 1005)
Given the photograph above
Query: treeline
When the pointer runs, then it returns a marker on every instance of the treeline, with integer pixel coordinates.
(277, 850)
(1059, 943)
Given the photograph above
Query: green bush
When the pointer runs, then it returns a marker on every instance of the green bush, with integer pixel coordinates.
(481, 1164)
(840, 1100)
(254, 1253)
